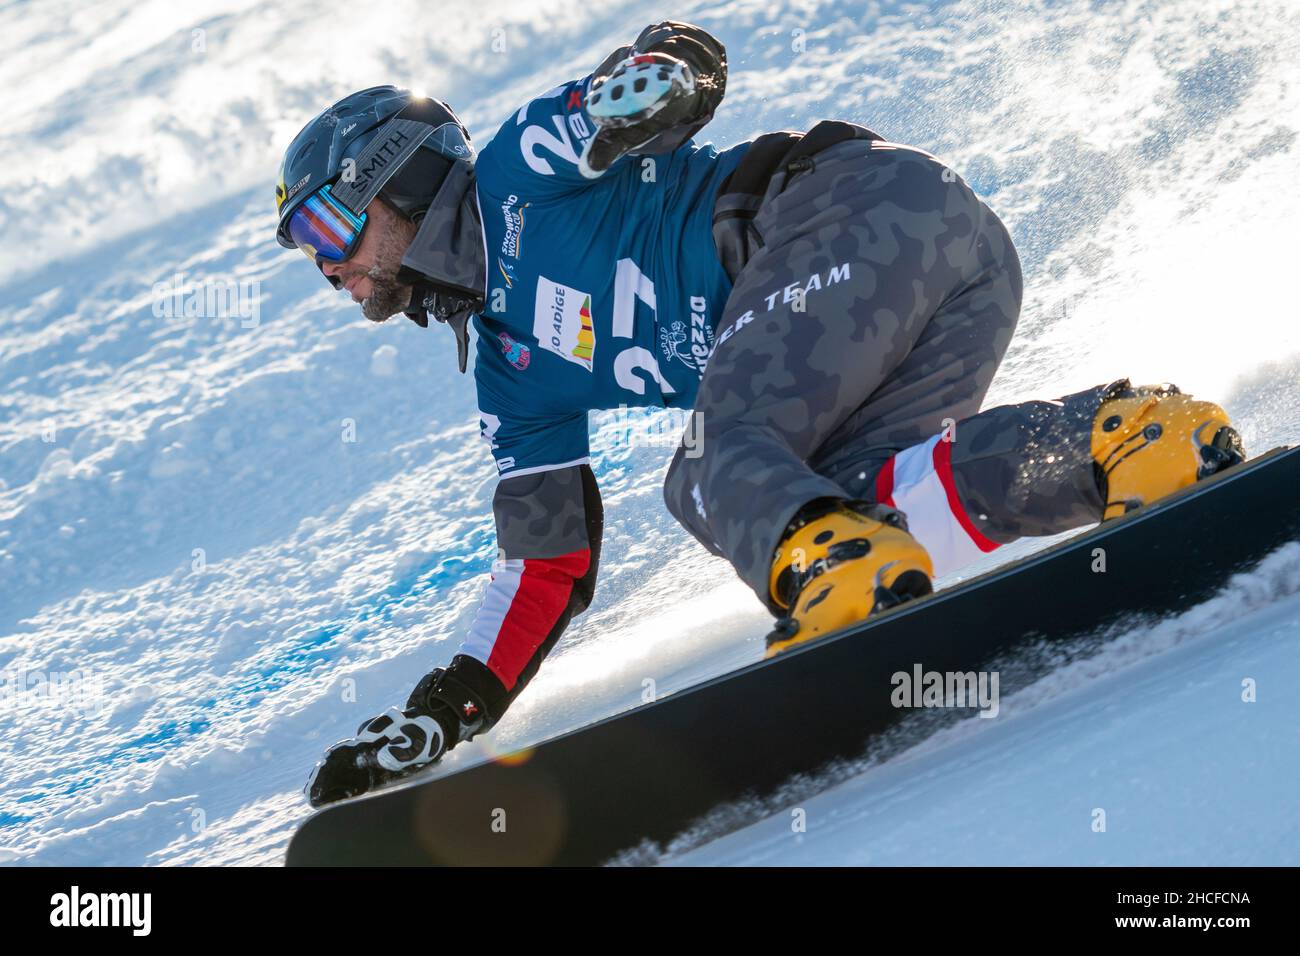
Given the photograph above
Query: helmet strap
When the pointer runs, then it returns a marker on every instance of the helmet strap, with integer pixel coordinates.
(447, 307)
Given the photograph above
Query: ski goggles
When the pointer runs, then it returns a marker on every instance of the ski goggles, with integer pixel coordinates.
(324, 228)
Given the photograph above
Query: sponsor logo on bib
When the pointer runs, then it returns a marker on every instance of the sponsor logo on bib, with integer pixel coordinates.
(562, 322)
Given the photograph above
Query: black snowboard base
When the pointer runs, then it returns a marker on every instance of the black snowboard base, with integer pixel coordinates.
(647, 774)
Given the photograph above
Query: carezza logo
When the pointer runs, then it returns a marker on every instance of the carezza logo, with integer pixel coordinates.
(690, 347)
(562, 322)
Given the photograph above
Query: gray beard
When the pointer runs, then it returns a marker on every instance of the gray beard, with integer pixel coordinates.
(388, 296)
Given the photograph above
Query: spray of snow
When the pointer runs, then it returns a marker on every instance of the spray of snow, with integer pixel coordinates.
(1044, 673)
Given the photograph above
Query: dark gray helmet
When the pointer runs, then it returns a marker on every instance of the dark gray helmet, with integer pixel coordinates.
(383, 140)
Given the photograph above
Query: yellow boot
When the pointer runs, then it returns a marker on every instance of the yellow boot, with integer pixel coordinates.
(838, 563)
(1152, 440)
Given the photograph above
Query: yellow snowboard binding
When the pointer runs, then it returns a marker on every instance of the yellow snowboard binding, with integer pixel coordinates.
(1152, 440)
(839, 562)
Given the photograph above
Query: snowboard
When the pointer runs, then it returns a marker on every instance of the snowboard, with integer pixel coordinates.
(647, 774)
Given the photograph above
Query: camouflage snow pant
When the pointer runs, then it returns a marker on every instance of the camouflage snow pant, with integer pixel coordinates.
(851, 360)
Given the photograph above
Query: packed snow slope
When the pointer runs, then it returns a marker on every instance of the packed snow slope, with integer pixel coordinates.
(242, 531)
(1177, 744)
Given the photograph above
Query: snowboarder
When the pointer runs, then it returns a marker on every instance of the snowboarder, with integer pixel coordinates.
(833, 307)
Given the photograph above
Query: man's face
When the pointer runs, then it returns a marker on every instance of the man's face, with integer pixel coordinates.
(371, 274)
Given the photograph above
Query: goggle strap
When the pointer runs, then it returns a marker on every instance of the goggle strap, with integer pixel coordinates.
(384, 154)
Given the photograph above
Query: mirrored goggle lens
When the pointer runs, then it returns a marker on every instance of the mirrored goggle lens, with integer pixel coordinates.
(324, 227)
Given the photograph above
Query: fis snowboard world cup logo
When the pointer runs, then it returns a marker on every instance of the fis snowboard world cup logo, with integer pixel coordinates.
(513, 212)
(562, 322)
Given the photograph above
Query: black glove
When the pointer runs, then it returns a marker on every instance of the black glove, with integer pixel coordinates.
(442, 711)
(656, 97)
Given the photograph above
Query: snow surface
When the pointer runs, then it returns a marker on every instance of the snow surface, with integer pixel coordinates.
(1155, 731)
(249, 533)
